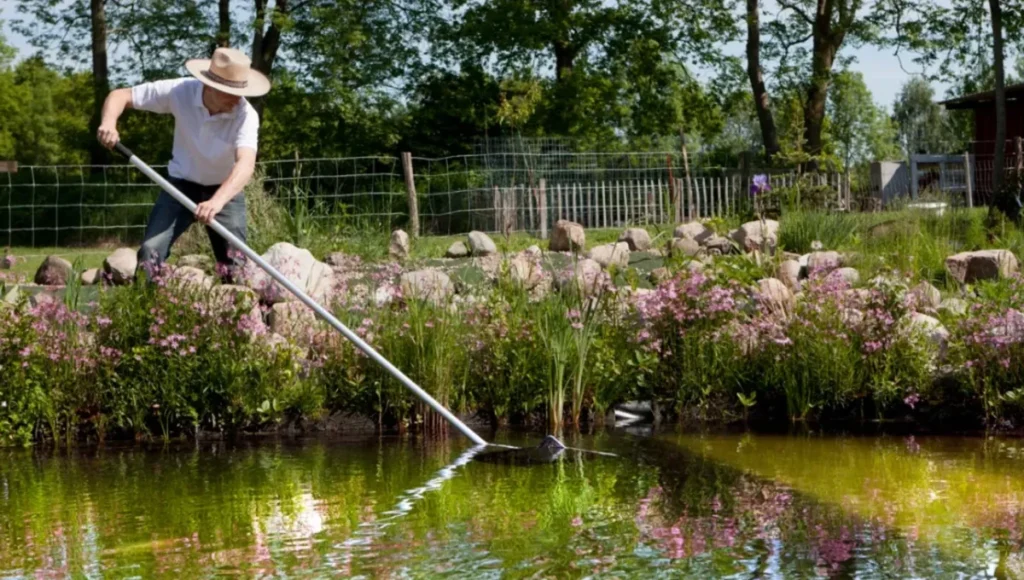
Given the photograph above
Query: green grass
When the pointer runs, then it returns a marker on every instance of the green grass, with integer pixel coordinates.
(29, 259)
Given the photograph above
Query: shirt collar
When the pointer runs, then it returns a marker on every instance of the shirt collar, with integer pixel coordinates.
(206, 113)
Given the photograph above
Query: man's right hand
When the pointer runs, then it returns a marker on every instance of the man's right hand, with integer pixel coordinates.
(107, 136)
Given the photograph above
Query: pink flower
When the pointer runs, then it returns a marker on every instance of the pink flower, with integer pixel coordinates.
(911, 400)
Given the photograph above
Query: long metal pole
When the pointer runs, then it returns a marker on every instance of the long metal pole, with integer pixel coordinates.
(363, 346)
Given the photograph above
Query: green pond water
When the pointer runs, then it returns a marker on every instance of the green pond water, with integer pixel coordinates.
(670, 505)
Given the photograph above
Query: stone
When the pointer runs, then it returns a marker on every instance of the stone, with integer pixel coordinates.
(490, 265)
(54, 271)
(200, 261)
(586, 275)
(292, 320)
(684, 247)
(398, 249)
(11, 296)
(616, 254)
(717, 245)
(927, 296)
(953, 306)
(752, 235)
(637, 239)
(695, 231)
(850, 275)
(789, 274)
(298, 265)
(534, 250)
(932, 329)
(188, 275)
(822, 262)
(776, 294)
(656, 252)
(968, 267)
(7, 262)
(480, 244)
(91, 277)
(660, 275)
(567, 236)
(428, 284)
(457, 250)
(526, 270)
(120, 266)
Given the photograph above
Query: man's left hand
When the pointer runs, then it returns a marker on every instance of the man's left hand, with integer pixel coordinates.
(207, 210)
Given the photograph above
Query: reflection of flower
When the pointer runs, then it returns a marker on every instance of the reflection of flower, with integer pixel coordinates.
(759, 185)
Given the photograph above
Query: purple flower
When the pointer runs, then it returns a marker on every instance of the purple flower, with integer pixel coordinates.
(759, 185)
(911, 400)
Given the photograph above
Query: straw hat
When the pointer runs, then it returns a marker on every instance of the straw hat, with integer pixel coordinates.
(229, 71)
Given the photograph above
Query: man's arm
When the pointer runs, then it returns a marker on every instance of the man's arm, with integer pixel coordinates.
(241, 173)
(117, 101)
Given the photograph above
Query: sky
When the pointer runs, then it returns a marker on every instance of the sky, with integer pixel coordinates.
(881, 70)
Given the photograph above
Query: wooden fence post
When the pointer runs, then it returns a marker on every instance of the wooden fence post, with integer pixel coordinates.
(542, 208)
(967, 179)
(410, 190)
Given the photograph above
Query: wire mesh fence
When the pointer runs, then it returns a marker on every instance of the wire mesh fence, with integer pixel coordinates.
(491, 191)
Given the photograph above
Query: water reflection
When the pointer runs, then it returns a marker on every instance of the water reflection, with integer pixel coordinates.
(667, 506)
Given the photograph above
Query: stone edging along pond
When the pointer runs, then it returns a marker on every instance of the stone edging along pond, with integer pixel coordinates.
(711, 328)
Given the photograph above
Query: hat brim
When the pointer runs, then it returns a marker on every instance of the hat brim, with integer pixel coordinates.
(257, 84)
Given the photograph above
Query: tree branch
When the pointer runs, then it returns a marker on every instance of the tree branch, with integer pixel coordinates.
(786, 5)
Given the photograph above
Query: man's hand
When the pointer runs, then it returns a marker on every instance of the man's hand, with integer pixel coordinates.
(107, 135)
(206, 211)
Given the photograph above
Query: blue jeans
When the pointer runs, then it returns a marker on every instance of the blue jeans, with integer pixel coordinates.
(169, 219)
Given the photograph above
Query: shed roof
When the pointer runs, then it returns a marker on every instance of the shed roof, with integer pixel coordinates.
(983, 99)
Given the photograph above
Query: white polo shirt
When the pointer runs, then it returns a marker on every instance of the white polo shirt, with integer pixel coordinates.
(204, 144)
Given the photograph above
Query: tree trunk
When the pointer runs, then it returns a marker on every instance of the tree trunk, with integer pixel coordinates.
(224, 23)
(999, 165)
(266, 44)
(764, 113)
(564, 57)
(100, 80)
(826, 43)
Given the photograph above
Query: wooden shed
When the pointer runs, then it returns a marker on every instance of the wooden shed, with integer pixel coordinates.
(984, 107)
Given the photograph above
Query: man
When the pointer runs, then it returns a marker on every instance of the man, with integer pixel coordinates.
(214, 152)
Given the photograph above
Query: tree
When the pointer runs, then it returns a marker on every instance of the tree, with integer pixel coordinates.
(100, 81)
(964, 43)
(923, 126)
(60, 28)
(859, 129)
(584, 46)
(755, 73)
(804, 41)
(1000, 93)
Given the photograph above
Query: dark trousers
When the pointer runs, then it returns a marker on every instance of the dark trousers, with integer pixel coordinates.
(169, 219)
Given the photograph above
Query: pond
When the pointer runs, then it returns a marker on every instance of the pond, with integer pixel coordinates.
(669, 505)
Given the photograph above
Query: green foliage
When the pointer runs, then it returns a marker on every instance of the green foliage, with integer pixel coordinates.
(800, 229)
(861, 131)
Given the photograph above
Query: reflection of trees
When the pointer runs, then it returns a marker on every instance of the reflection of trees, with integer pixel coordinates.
(384, 507)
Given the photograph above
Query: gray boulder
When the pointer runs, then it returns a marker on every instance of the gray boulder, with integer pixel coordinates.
(567, 236)
(398, 249)
(637, 239)
(120, 266)
(480, 244)
(968, 267)
(54, 271)
(457, 250)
